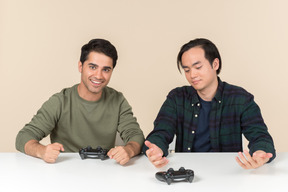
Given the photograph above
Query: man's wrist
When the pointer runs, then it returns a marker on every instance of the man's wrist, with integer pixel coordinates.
(132, 148)
(34, 148)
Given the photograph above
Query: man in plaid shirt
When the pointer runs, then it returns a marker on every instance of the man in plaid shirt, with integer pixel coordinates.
(210, 115)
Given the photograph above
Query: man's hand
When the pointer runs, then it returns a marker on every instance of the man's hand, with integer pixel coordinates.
(122, 154)
(51, 152)
(258, 159)
(48, 153)
(155, 155)
(119, 154)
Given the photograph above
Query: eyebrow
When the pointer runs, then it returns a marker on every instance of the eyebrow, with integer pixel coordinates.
(105, 67)
(196, 63)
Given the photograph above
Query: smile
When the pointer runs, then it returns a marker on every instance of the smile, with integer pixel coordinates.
(96, 82)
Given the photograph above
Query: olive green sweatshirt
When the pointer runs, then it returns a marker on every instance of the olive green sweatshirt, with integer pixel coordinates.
(77, 123)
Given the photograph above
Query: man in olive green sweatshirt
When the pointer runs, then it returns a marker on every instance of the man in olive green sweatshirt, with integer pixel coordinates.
(88, 113)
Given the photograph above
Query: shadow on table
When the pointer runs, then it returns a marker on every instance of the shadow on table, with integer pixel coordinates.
(133, 160)
(61, 159)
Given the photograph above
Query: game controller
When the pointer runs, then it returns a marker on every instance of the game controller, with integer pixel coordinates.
(89, 152)
(181, 175)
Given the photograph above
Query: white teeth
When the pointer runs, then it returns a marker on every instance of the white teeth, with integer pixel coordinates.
(97, 82)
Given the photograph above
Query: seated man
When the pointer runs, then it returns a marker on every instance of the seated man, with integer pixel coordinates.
(210, 115)
(89, 113)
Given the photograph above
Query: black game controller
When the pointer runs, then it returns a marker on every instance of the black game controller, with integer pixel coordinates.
(181, 175)
(89, 152)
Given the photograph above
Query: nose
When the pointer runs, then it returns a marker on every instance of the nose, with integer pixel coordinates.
(98, 74)
(193, 74)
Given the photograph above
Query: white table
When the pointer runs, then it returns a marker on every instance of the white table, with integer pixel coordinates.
(213, 172)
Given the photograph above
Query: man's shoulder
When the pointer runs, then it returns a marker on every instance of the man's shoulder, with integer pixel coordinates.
(236, 94)
(59, 98)
(111, 93)
(184, 90)
(231, 89)
(66, 91)
(180, 94)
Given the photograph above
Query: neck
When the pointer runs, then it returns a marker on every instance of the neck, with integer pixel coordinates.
(87, 95)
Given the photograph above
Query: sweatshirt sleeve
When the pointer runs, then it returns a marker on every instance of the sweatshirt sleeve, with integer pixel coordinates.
(41, 124)
(128, 126)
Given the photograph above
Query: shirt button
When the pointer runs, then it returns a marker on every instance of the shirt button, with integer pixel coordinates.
(189, 148)
(196, 115)
(193, 132)
(219, 101)
(192, 105)
(198, 104)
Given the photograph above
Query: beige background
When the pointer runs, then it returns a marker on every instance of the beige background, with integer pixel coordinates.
(40, 45)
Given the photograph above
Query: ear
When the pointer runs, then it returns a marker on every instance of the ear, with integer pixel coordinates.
(80, 66)
(215, 64)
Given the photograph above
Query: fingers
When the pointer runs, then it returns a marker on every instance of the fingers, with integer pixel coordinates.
(269, 155)
(160, 163)
(155, 155)
(119, 154)
(156, 158)
(61, 148)
(261, 157)
(148, 144)
(262, 154)
(153, 149)
(247, 162)
(52, 152)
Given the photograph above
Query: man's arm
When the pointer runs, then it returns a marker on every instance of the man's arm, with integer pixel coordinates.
(130, 133)
(122, 154)
(165, 126)
(256, 131)
(40, 126)
(48, 153)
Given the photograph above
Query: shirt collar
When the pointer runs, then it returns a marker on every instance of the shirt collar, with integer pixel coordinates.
(217, 97)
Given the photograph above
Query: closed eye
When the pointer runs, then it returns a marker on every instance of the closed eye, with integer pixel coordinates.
(186, 69)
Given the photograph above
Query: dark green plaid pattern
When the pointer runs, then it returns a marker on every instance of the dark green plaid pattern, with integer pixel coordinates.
(233, 113)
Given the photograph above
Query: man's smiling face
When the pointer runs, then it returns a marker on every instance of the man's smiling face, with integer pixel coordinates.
(95, 72)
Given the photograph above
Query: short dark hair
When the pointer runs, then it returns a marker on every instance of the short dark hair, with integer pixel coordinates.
(210, 49)
(99, 46)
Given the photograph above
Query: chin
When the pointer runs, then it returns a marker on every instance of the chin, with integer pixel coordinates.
(95, 91)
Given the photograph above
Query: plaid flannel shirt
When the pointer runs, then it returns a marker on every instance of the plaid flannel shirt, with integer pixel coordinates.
(233, 113)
